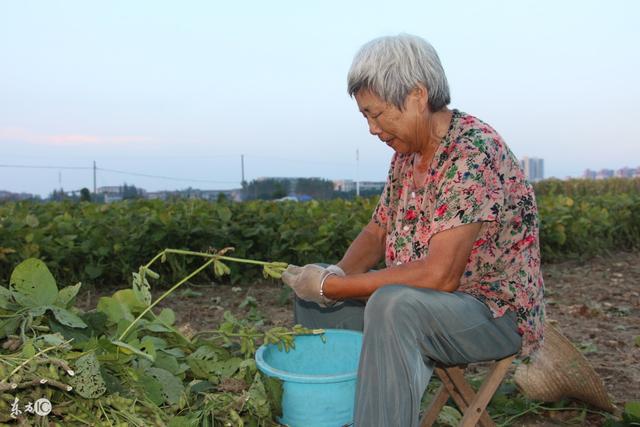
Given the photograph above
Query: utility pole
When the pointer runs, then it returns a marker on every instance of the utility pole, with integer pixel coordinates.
(242, 166)
(357, 173)
(94, 177)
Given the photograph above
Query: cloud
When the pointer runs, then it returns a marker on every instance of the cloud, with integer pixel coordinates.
(28, 136)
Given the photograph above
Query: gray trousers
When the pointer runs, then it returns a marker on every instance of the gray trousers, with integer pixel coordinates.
(406, 331)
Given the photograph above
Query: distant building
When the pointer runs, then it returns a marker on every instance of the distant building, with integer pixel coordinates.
(344, 185)
(116, 193)
(192, 193)
(347, 185)
(533, 168)
(624, 172)
(113, 189)
(110, 193)
(604, 174)
(8, 195)
(372, 185)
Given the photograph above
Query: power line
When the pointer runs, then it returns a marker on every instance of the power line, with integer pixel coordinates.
(44, 167)
(310, 162)
(172, 178)
(169, 178)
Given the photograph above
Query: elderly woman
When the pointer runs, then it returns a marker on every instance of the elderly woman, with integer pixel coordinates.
(457, 225)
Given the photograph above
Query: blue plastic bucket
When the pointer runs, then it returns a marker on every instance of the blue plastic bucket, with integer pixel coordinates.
(319, 377)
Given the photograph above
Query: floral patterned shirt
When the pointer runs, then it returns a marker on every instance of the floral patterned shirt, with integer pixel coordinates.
(473, 177)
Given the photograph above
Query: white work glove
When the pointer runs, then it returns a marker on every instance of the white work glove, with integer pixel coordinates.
(337, 270)
(307, 282)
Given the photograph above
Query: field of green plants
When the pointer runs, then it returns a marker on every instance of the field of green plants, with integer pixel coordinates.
(101, 244)
(126, 363)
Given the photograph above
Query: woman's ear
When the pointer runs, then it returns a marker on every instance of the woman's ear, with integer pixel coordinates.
(420, 96)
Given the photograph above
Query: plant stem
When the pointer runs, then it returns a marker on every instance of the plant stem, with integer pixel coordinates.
(155, 258)
(227, 334)
(246, 261)
(536, 406)
(205, 255)
(230, 334)
(79, 419)
(508, 421)
(41, 352)
(163, 296)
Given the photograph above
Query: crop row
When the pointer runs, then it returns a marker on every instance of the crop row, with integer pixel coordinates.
(102, 244)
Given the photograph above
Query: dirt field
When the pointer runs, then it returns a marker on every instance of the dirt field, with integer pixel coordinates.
(596, 304)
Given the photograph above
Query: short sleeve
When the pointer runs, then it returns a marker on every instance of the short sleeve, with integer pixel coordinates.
(471, 188)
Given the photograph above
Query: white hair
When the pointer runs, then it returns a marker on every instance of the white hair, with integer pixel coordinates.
(393, 66)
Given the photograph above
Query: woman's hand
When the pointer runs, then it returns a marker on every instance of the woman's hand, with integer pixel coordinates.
(307, 282)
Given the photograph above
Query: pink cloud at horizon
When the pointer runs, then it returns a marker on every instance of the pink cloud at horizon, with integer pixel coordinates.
(28, 136)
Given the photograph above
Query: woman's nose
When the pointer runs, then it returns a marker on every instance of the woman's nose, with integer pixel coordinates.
(374, 129)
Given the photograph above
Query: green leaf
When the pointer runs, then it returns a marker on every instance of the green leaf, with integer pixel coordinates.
(167, 362)
(141, 288)
(96, 321)
(28, 350)
(258, 401)
(224, 213)
(66, 295)
(636, 341)
(93, 271)
(175, 352)
(112, 382)
(67, 318)
(157, 342)
(152, 389)
(156, 327)
(5, 298)
(88, 381)
(180, 421)
(225, 368)
(167, 316)
(199, 367)
(38, 311)
(172, 387)
(274, 388)
(78, 335)
(129, 298)
(33, 284)
(114, 309)
(201, 387)
(32, 221)
(51, 339)
(9, 326)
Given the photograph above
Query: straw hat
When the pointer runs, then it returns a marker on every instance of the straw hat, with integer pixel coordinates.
(560, 371)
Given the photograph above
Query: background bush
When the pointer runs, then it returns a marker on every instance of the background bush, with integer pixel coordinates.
(103, 244)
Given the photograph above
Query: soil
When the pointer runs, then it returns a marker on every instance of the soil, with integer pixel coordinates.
(596, 304)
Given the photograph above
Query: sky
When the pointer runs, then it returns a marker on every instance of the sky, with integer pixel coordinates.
(181, 89)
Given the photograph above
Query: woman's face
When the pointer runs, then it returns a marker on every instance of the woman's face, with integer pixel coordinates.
(397, 128)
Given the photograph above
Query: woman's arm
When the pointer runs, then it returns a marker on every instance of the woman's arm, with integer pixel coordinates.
(365, 251)
(442, 268)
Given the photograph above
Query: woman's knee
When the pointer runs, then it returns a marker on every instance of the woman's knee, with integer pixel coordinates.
(397, 301)
(389, 302)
